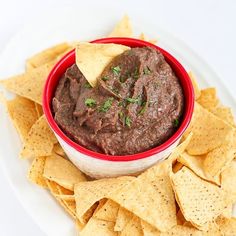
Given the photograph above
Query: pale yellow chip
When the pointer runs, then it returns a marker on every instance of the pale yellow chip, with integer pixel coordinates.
(46, 56)
(88, 193)
(133, 227)
(218, 159)
(99, 228)
(35, 173)
(39, 141)
(180, 230)
(38, 109)
(93, 58)
(197, 91)
(123, 28)
(224, 113)
(108, 211)
(199, 200)
(228, 180)
(59, 150)
(156, 204)
(142, 36)
(149, 230)
(63, 172)
(227, 226)
(23, 114)
(123, 217)
(208, 98)
(196, 164)
(29, 84)
(213, 230)
(209, 132)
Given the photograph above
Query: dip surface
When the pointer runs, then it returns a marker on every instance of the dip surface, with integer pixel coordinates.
(136, 105)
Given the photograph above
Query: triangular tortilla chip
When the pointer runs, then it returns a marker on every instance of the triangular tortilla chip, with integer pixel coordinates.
(123, 217)
(46, 56)
(133, 227)
(209, 132)
(63, 172)
(208, 98)
(123, 28)
(57, 149)
(199, 200)
(23, 114)
(108, 211)
(35, 173)
(39, 109)
(88, 193)
(156, 204)
(227, 226)
(99, 228)
(40, 140)
(92, 58)
(196, 164)
(30, 84)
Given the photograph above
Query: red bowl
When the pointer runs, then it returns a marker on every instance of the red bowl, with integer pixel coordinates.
(69, 59)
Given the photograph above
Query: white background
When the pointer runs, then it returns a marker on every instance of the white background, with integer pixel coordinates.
(207, 26)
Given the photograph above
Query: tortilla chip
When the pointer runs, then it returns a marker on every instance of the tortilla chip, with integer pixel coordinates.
(40, 140)
(209, 132)
(199, 200)
(227, 226)
(38, 109)
(213, 230)
(197, 91)
(180, 230)
(224, 113)
(156, 204)
(123, 28)
(180, 218)
(177, 166)
(123, 217)
(149, 230)
(227, 212)
(218, 159)
(88, 193)
(208, 98)
(35, 173)
(63, 172)
(30, 84)
(92, 58)
(196, 164)
(228, 180)
(79, 226)
(57, 149)
(143, 37)
(99, 228)
(22, 112)
(108, 211)
(46, 56)
(133, 227)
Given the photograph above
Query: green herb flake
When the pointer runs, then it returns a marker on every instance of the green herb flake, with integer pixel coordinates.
(136, 73)
(132, 100)
(176, 122)
(121, 114)
(105, 78)
(88, 85)
(143, 109)
(116, 70)
(90, 102)
(127, 121)
(106, 105)
(147, 71)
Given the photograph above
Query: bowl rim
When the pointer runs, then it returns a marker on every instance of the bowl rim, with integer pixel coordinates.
(153, 151)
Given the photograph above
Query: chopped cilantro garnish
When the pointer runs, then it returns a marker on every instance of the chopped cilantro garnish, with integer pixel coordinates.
(105, 78)
(122, 79)
(176, 122)
(116, 70)
(88, 85)
(143, 109)
(121, 114)
(90, 102)
(146, 71)
(107, 105)
(127, 121)
(133, 100)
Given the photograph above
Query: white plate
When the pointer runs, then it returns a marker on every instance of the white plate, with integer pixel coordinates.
(64, 25)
